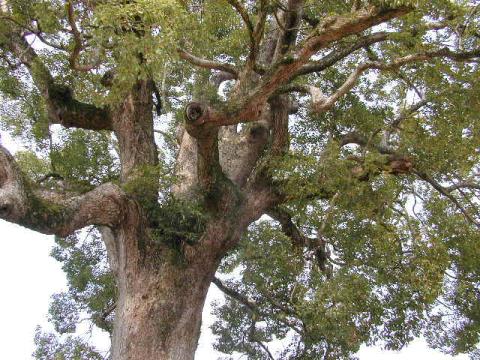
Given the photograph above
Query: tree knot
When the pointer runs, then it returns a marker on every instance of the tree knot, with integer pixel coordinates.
(194, 113)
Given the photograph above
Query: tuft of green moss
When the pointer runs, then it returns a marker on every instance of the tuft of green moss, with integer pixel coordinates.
(178, 222)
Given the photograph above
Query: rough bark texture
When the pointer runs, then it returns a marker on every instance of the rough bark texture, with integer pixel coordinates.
(133, 126)
(159, 308)
(162, 292)
(168, 305)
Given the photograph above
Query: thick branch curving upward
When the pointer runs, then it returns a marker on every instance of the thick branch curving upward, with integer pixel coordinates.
(209, 171)
(252, 106)
(56, 213)
(338, 54)
(62, 107)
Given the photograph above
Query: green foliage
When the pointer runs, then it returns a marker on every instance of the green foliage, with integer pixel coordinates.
(174, 222)
(91, 295)
(49, 346)
(144, 181)
(9, 84)
(33, 166)
(380, 287)
(178, 222)
(301, 173)
(395, 3)
(25, 118)
(268, 272)
(84, 159)
(91, 286)
(135, 28)
(403, 260)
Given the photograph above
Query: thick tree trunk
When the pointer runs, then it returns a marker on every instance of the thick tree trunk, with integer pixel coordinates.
(161, 296)
(159, 314)
(161, 286)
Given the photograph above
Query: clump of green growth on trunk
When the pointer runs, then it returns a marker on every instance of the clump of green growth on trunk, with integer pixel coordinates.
(143, 185)
(172, 221)
(179, 222)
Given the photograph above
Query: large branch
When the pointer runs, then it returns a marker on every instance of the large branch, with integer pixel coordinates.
(55, 213)
(338, 54)
(323, 103)
(257, 34)
(279, 108)
(362, 42)
(209, 171)
(62, 107)
(337, 27)
(250, 108)
(65, 110)
(289, 24)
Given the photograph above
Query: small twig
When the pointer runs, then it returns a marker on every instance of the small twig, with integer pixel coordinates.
(448, 195)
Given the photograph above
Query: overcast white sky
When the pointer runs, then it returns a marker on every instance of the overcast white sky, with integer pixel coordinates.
(29, 276)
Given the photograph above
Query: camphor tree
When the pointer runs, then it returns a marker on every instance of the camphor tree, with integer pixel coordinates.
(168, 129)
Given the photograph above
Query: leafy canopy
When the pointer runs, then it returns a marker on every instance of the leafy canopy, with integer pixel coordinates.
(394, 256)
